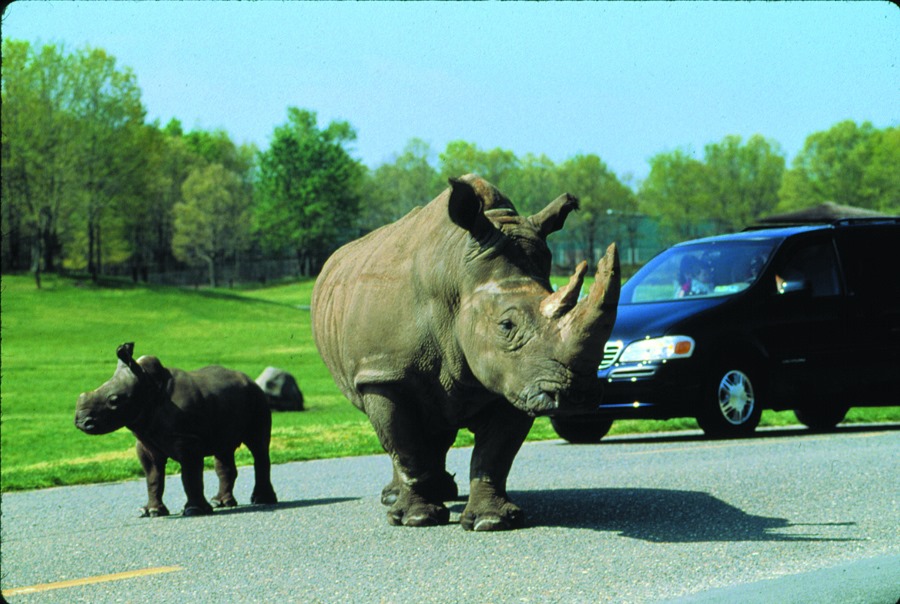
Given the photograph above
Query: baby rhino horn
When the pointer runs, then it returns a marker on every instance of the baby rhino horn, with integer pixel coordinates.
(564, 299)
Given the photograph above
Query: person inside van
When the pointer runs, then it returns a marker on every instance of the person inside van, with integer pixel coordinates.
(695, 278)
(754, 268)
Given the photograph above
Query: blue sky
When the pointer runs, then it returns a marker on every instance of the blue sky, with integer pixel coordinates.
(624, 81)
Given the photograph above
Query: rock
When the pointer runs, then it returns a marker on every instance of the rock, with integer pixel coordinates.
(281, 389)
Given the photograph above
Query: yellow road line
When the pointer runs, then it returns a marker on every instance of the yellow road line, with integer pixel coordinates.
(90, 580)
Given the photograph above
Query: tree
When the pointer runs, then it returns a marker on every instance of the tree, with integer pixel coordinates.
(216, 147)
(108, 122)
(848, 164)
(212, 221)
(171, 155)
(880, 182)
(146, 217)
(743, 180)
(37, 160)
(497, 166)
(72, 126)
(396, 188)
(534, 184)
(677, 192)
(605, 202)
(17, 95)
(308, 188)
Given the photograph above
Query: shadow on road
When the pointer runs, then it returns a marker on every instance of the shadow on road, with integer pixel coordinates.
(281, 505)
(779, 432)
(661, 516)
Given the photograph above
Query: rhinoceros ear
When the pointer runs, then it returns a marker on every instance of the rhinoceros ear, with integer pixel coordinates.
(125, 352)
(466, 209)
(551, 219)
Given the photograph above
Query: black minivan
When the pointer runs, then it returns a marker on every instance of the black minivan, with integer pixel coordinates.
(794, 317)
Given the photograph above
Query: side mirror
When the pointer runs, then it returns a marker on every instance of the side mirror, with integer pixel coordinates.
(790, 286)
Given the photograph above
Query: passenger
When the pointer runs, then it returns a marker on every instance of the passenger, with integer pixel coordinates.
(695, 278)
(752, 269)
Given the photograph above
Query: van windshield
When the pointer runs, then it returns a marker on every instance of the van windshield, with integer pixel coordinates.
(700, 270)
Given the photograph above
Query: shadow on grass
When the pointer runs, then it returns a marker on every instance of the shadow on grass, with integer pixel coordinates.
(84, 282)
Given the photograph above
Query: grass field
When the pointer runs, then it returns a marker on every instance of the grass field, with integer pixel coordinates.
(60, 341)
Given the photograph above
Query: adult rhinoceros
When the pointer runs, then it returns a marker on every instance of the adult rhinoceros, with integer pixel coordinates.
(446, 319)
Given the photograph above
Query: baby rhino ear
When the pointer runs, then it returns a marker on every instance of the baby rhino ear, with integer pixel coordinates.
(551, 219)
(125, 352)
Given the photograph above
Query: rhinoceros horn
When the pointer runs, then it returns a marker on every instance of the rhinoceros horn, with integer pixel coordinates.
(564, 299)
(551, 219)
(586, 327)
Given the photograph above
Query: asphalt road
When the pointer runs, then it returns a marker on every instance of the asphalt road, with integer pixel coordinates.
(784, 517)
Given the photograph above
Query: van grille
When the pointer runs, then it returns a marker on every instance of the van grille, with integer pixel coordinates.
(632, 374)
(610, 353)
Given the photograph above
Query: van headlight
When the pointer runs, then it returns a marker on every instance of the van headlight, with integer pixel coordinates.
(658, 349)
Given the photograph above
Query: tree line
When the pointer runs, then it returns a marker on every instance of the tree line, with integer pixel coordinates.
(88, 182)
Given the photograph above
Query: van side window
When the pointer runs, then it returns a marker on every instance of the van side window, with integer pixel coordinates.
(813, 265)
(868, 256)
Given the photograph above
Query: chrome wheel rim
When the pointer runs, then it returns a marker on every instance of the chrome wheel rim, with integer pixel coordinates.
(736, 397)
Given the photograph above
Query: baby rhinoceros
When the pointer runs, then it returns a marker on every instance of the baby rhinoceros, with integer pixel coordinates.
(185, 416)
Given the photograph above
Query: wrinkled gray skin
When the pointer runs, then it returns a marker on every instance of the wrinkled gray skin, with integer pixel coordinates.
(185, 416)
(446, 319)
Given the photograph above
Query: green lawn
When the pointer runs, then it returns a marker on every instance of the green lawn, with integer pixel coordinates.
(60, 341)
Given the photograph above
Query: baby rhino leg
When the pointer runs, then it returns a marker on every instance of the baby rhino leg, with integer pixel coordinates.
(154, 464)
(257, 440)
(192, 480)
(227, 472)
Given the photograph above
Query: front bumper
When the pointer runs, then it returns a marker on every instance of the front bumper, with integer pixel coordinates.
(657, 390)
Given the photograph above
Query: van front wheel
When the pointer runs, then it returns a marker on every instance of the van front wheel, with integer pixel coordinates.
(732, 408)
(581, 429)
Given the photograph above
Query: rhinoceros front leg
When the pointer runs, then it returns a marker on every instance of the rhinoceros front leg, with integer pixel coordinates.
(154, 463)
(418, 461)
(499, 433)
(442, 487)
(192, 480)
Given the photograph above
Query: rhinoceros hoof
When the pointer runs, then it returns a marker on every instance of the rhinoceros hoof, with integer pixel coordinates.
(196, 510)
(225, 502)
(390, 494)
(509, 517)
(264, 497)
(429, 514)
(154, 512)
(440, 488)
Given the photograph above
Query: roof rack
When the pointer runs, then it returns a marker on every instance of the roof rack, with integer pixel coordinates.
(825, 222)
(868, 220)
(760, 226)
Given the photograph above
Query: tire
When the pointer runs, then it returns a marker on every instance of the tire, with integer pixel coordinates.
(732, 408)
(823, 418)
(581, 429)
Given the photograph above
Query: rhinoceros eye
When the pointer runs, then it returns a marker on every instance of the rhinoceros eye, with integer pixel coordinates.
(507, 326)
